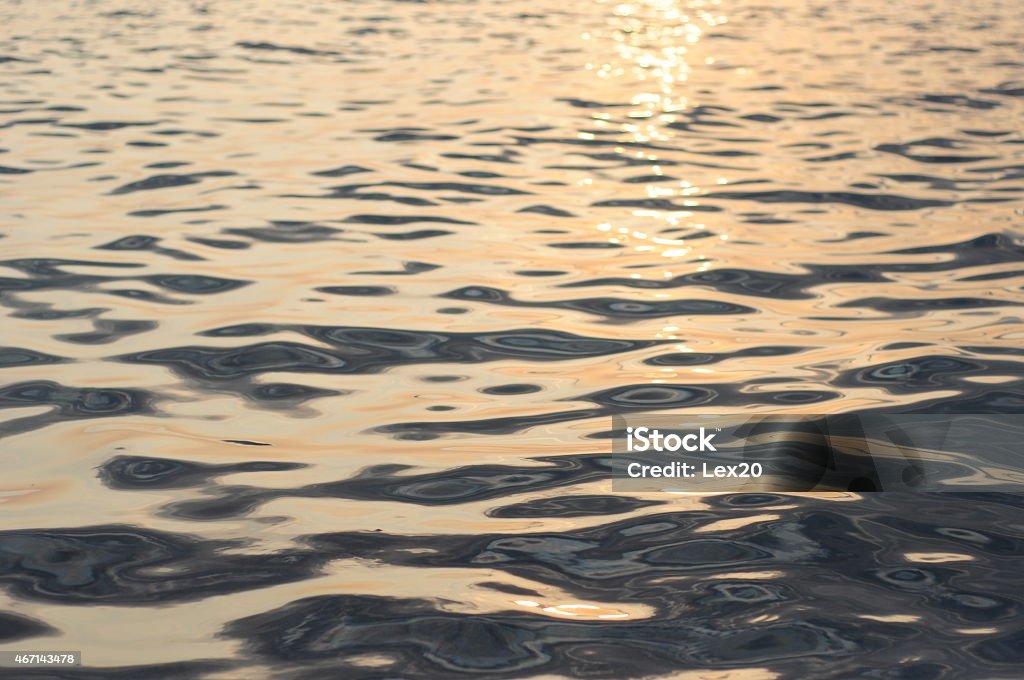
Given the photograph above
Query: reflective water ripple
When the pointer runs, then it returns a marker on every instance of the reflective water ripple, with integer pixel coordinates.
(316, 313)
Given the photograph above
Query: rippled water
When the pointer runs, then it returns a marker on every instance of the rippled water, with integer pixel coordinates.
(313, 312)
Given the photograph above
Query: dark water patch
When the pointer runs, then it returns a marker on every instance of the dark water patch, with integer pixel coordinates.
(224, 244)
(217, 363)
(572, 506)
(351, 192)
(926, 372)
(546, 210)
(11, 357)
(45, 312)
(464, 484)
(284, 396)
(691, 582)
(587, 104)
(468, 484)
(287, 231)
(1005, 649)
(324, 631)
(402, 219)
(195, 283)
(1009, 172)
(51, 266)
(145, 295)
(994, 276)
(991, 399)
(659, 396)
(938, 183)
(508, 588)
(70, 403)
(993, 349)
(341, 171)
(905, 345)
(638, 553)
(705, 358)
(168, 181)
(629, 398)
(513, 343)
(833, 157)
(125, 565)
(511, 389)
(907, 151)
(792, 397)
(28, 121)
(459, 187)
(618, 160)
(14, 627)
(106, 125)
(368, 350)
(107, 330)
(611, 308)
(989, 249)
(855, 236)
(258, 121)
(986, 133)
(293, 49)
(869, 201)
(405, 136)
(902, 306)
(165, 165)
(608, 402)
(150, 244)
(421, 637)
(506, 156)
(1007, 89)
(481, 174)
(424, 431)
(416, 235)
(139, 472)
(175, 211)
(587, 245)
(358, 291)
(647, 146)
(732, 281)
(761, 118)
(649, 179)
(655, 204)
(119, 14)
(748, 500)
(177, 132)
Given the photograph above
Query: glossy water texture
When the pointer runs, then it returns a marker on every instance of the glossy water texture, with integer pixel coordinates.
(314, 312)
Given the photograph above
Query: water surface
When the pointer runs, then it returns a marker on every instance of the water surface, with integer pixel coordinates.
(313, 312)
